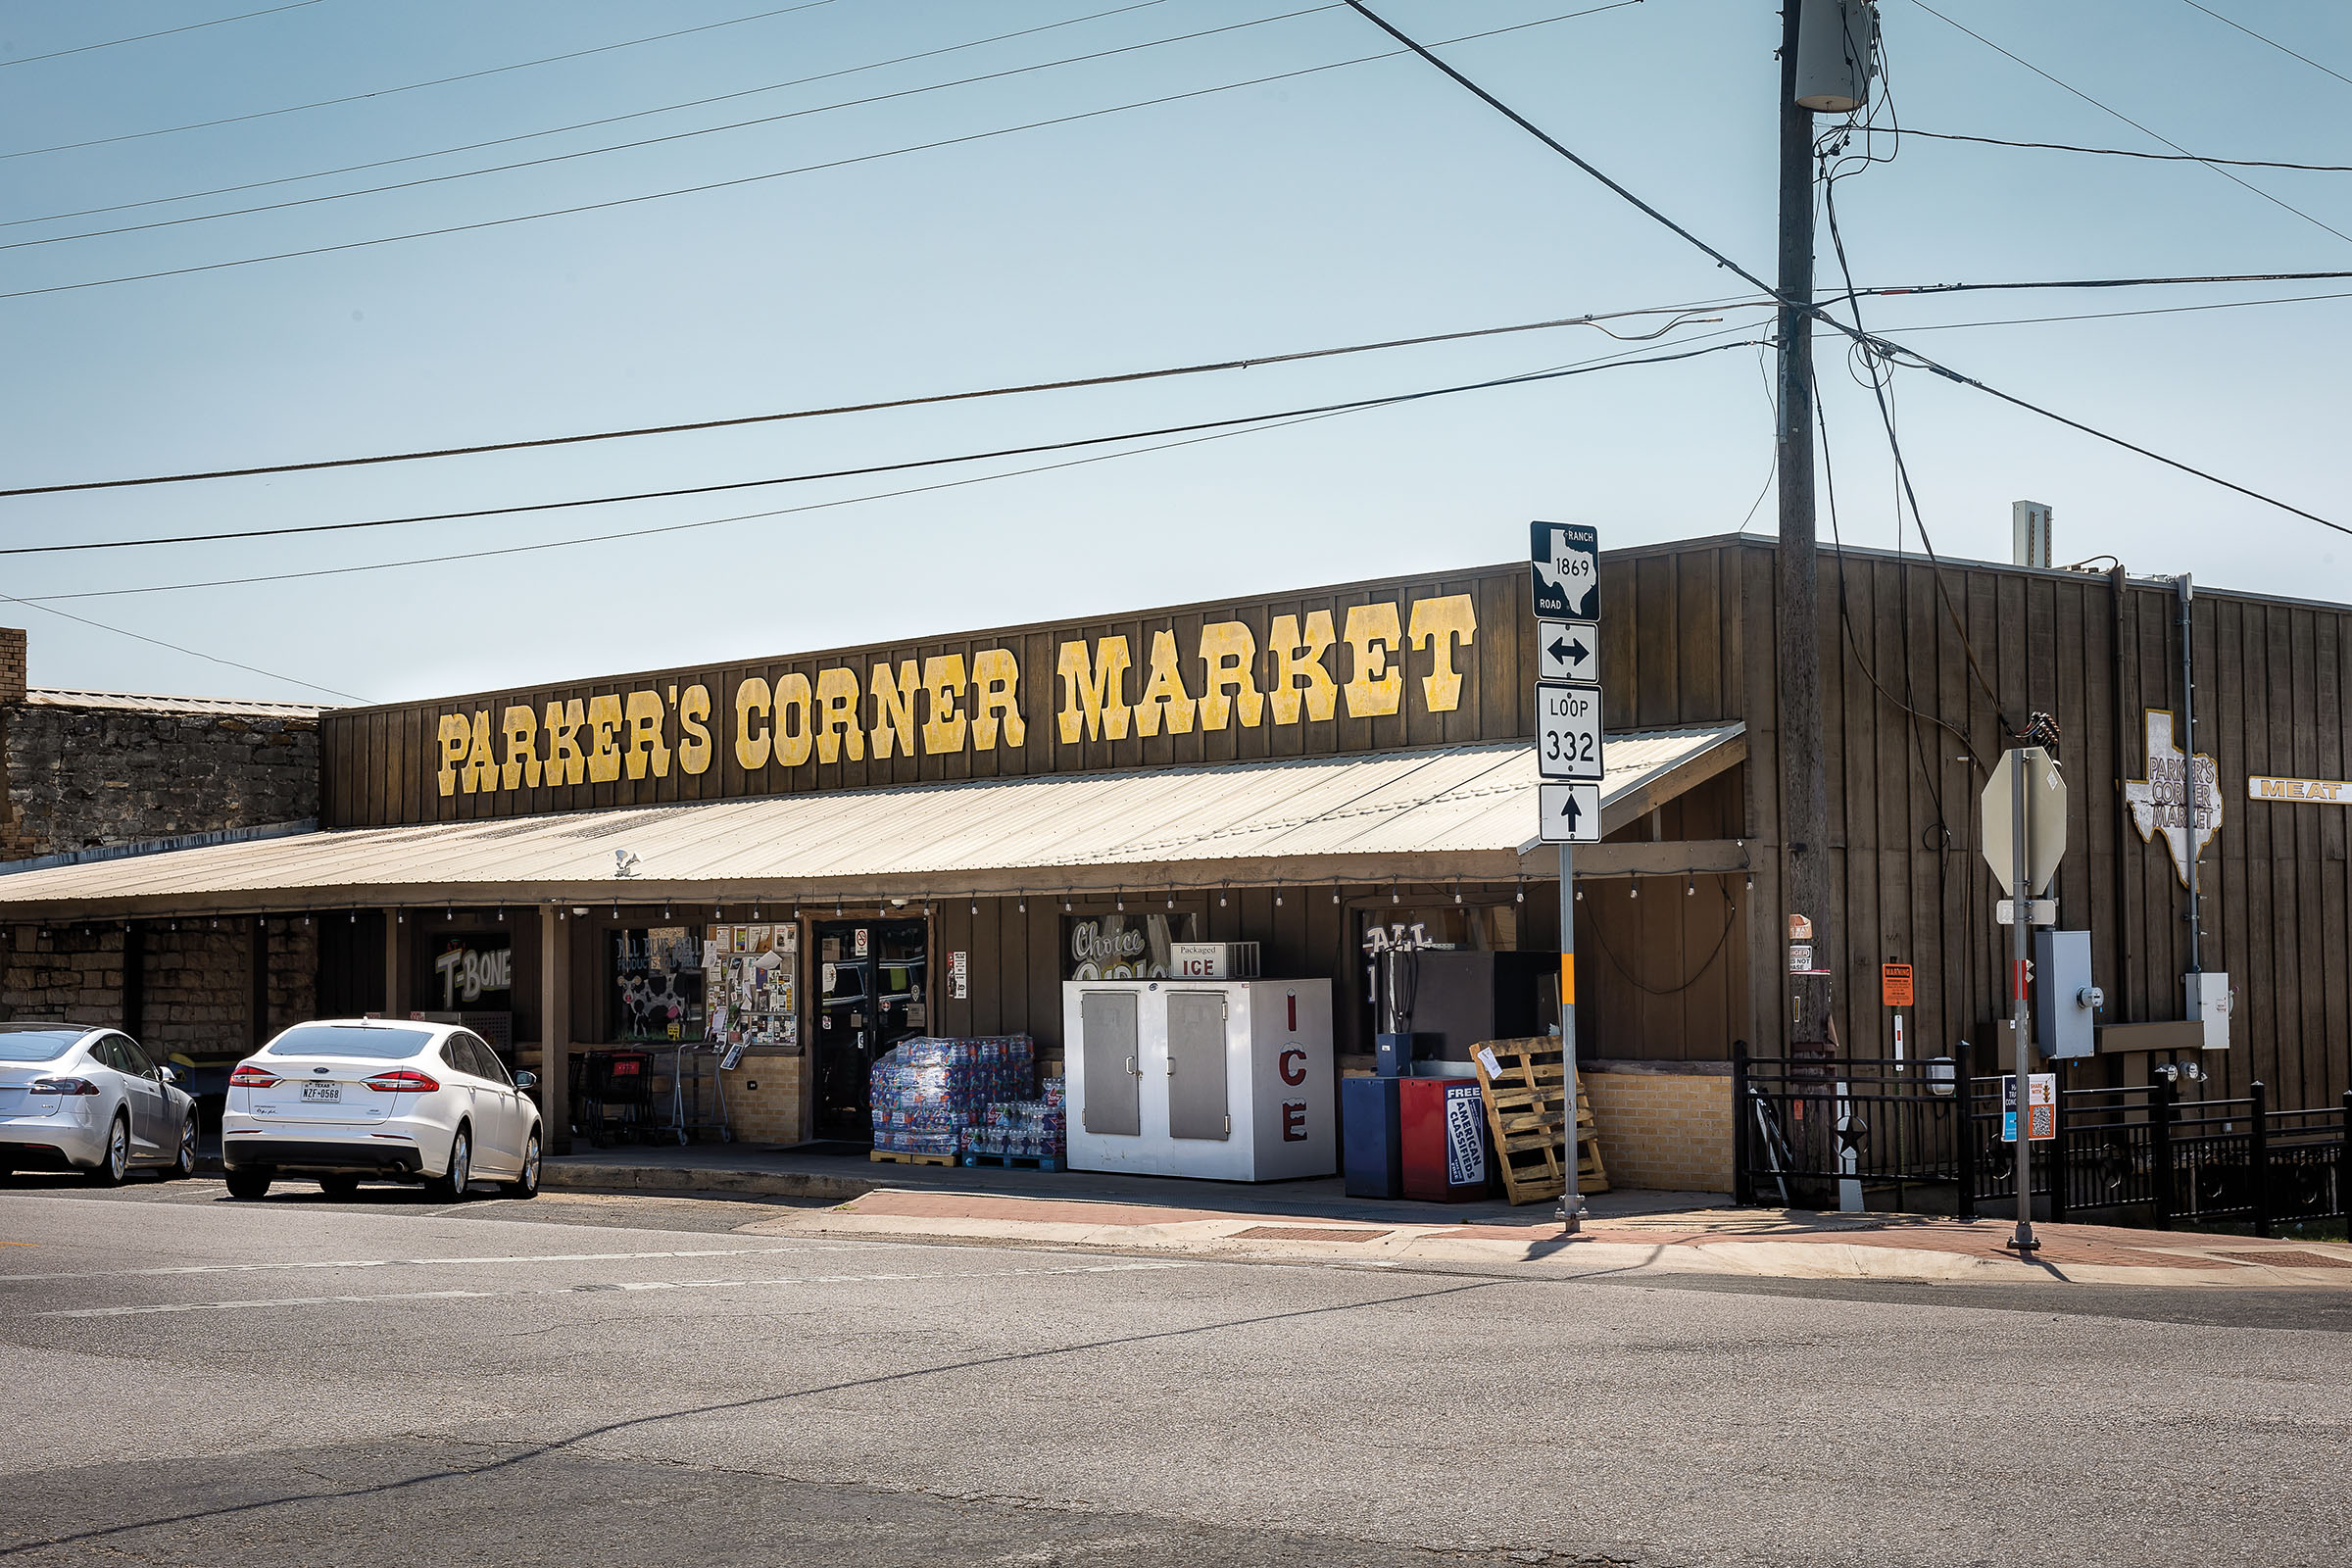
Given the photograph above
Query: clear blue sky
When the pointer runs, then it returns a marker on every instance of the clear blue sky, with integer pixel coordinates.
(1363, 202)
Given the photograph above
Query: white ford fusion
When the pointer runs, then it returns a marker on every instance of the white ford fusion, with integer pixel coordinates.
(72, 1097)
(359, 1098)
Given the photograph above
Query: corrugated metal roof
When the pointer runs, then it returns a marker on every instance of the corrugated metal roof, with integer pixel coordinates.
(1441, 800)
(138, 702)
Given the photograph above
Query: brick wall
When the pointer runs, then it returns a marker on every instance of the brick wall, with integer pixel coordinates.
(1663, 1126)
(770, 1113)
(82, 775)
(12, 665)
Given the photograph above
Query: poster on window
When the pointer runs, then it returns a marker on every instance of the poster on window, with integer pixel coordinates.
(1124, 947)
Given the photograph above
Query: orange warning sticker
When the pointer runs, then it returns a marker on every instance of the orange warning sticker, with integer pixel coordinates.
(1894, 984)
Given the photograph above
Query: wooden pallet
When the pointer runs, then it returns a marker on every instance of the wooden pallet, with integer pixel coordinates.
(1522, 1116)
(900, 1157)
(1047, 1162)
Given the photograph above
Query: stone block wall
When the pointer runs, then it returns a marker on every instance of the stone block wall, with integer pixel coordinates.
(86, 771)
(71, 975)
(198, 980)
(1663, 1126)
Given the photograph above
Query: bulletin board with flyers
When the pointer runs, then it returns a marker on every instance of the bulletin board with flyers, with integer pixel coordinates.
(753, 974)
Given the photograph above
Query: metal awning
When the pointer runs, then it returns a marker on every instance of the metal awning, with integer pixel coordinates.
(1463, 812)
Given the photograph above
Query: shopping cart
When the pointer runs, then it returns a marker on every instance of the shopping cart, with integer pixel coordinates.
(611, 1095)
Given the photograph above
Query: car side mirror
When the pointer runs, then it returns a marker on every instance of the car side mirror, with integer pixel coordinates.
(172, 1075)
(526, 1080)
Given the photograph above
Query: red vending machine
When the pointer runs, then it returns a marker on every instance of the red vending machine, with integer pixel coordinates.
(1442, 1126)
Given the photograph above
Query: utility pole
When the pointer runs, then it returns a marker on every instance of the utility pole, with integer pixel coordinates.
(1804, 786)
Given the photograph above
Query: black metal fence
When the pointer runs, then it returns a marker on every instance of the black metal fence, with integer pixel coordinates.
(1927, 1137)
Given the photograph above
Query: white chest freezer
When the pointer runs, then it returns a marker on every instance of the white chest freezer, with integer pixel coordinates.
(1228, 1079)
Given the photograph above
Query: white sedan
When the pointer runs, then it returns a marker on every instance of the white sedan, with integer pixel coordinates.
(79, 1098)
(352, 1099)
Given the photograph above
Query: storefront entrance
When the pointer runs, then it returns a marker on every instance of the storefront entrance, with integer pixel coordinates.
(873, 990)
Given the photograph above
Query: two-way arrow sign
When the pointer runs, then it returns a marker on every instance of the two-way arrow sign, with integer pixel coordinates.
(1568, 650)
(1571, 812)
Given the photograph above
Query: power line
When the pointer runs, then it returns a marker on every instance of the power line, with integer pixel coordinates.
(1679, 312)
(141, 38)
(2104, 282)
(2264, 38)
(1242, 425)
(779, 173)
(1812, 310)
(192, 653)
(2285, 206)
(585, 124)
(2103, 152)
(1683, 317)
(412, 86)
(614, 147)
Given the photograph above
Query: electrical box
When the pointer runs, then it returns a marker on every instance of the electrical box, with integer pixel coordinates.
(2209, 997)
(2066, 1005)
(1226, 1079)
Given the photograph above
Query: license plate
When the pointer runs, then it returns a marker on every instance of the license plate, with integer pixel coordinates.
(322, 1091)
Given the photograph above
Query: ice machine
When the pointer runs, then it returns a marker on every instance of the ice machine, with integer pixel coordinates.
(1228, 1079)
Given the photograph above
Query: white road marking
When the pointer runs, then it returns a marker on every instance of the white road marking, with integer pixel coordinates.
(615, 1285)
(415, 1262)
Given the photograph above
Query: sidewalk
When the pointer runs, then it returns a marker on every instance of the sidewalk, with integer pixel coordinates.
(1629, 1233)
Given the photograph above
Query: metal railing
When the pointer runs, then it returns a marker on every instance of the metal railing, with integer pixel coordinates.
(1818, 1133)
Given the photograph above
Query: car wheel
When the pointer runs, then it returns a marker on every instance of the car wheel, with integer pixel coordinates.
(115, 1164)
(248, 1184)
(526, 1183)
(338, 1186)
(450, 1186)
(185, 1166)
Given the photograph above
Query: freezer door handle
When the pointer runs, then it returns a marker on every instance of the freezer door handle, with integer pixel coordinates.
(1133, 1070)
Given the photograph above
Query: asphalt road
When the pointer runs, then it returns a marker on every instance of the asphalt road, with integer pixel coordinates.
(649, 1381)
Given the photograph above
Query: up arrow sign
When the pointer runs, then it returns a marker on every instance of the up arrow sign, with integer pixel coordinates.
(1568, 650)
(1571, 812)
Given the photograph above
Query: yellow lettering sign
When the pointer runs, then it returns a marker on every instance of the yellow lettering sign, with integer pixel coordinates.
(1299, 678)
(1230, 684)
(795, 722)
(996, 700)
(894, 709)
(754, 735)
(943, 683)
(1164, 701)
(566, 762)
(646, 751)
(520, 771)
(1093, 693)
(605, 718)
(1377, 686)
(837, 729)
(1438, 625)
(457, 738)
(694, 734)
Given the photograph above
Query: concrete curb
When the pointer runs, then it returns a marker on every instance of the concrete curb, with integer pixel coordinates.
(573, 1176)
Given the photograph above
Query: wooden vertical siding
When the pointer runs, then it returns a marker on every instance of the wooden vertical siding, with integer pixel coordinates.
(1909, 879)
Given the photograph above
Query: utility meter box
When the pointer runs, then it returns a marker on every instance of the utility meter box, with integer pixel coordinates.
(2066, 1005)
(1229, 1079)
(2209, 998)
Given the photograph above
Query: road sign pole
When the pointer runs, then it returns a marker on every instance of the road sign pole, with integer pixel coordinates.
(1572, 1200)
(2021, 937)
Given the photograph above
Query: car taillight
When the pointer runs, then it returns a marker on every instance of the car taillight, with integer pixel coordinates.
(62, 1086)
(403, 1081)
(249, 1076)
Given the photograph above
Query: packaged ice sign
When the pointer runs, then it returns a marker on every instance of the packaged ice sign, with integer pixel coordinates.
(1567, 730)
(1567, 568)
